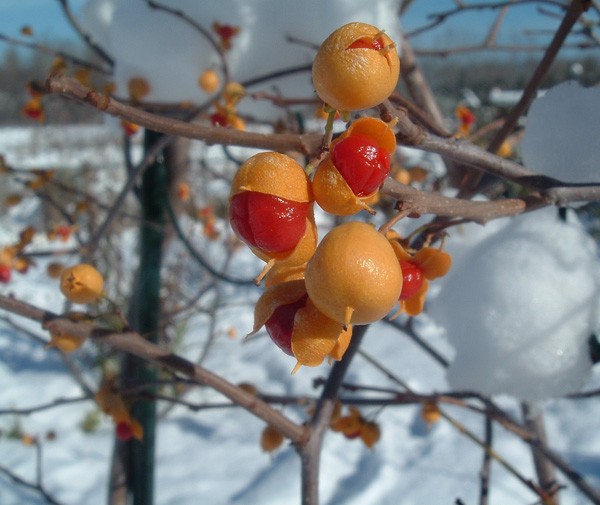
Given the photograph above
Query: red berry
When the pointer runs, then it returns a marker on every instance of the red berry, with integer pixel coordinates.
(280, 325)
(123, 431)
(267, 222)
(4, 273)
(361, 163)
(367, 43)
(218, 119)
(226, 31)
(412, 279)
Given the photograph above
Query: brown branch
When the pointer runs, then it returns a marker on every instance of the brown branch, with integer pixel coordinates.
(305, 143)
(534, 422)
(575, 9)
(421, 202)
(41, 48)
(486, 465)
(36, 486)
(440, 17)
(310, 452)
(133, 343)
(552, 191)
(418, 87)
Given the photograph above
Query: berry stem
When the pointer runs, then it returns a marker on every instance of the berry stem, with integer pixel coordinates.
(402, 213)
(329, 129)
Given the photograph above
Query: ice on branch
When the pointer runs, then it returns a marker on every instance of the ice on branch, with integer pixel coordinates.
(520, 307)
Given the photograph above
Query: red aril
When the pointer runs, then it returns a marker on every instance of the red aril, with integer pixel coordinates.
(4, 273)
(280, 325)
(361, 162)
(123, 431)
(367, 43)
(412, 279)
(267, 222)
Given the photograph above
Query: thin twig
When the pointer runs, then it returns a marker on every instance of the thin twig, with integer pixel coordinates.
(134, 344)
(99, 50)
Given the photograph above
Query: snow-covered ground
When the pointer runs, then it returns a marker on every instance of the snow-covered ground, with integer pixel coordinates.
(213, 455)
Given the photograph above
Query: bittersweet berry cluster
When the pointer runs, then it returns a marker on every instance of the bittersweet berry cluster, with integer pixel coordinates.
(316, 291)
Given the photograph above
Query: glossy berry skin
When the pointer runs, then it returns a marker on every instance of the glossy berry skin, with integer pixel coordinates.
(4, 273)
(361, 163)
(412, 279)
(368, 43)
(268, 222)
(280, 325)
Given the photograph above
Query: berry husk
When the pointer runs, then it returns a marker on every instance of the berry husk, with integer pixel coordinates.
(274, 174)
(347, 77)
(354, 276)
(81, 283)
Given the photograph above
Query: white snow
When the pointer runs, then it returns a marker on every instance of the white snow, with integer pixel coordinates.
(214, 456)
(519, 308)
(561, 134)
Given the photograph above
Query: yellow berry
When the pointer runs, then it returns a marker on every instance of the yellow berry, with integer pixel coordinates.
(81, 283)
(354, 276)
(66, 343)
(271, 438)
(209, 80)
(356, 67)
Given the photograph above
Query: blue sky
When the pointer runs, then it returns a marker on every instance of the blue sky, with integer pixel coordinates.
(49, 23)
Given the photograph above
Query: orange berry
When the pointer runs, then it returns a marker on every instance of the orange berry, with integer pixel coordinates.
(370, 433)
(274, 174)
(354, 276)
(356, 67)
(296, 325)
(430, 412)
(271, 209)
(270, 439)
(138, 88)
(81, 283)
(209, 80)
(54, 270)
(347, 180)
(66, 343)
